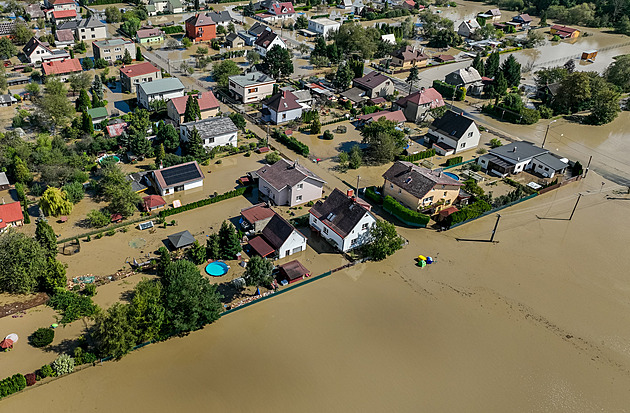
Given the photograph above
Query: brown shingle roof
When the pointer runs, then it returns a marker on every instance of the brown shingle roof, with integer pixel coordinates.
(339, 212)
(284, 173)
(257, 213)
(416, 180)
(282, 102)
(371, 80)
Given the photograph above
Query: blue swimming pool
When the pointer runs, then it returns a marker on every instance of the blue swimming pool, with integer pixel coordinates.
(217, 268)
(452, 175)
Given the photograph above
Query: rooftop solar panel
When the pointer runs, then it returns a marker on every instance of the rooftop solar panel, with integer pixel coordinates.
(180, 174)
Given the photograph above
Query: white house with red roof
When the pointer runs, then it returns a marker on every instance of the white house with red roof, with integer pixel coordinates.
(278, 11)
(416, 106)
(11, 216)
(208, 105)
(281, 107)
(62, 16)
(62, 69)
(132, 75)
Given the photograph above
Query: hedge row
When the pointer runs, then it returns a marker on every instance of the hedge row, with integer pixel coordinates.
(102, 2)
(454, 161)
(102, 230)
(469, 212)
(417, 156)
(330, 122)
(447, 90)
(292, 143)
(405, 214)
(12, 385)
(172, 29)
(524, 116)
(230, 194)
(370, 193)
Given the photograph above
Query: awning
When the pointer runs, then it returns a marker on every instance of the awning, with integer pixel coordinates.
(261, 247)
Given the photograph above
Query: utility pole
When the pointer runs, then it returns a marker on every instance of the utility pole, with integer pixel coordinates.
(494, 231)
(358, 178)
(545, 139)
(587, 166)
(575, 207)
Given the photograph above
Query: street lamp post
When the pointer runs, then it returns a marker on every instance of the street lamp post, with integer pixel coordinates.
(545, 139)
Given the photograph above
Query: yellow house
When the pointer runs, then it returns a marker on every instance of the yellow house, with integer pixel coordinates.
(407, 57)
(420, 188)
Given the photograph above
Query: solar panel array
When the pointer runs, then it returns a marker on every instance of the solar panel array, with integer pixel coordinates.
(180, 174)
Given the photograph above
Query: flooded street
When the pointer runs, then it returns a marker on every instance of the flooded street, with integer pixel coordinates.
(487, 328)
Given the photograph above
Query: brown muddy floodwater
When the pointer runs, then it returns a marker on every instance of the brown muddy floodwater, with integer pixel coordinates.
(535, 323)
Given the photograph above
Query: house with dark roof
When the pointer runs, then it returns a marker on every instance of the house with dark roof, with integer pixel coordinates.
(139, 181)
(418, 104)
(114, 49)
(201, 28)
(491, 16)
(222, 18)
(160, 89)
(208, 105)
(133, 75)
(217, 131)
(521, 21)
(289, 183)
(522, 156)
(177, 178)
(37, 51)
(233, 40)
(86, 29)
(292, 271)
(375, 84)
(278, 239)
(4, 182)
(256, 217)
(266, 41)
(7, 100)
(342, 220)
(453, 133)
(420, 188)
(11, 216)
(468, 27)
(467, 77)
(181, 240)
(281, 107)
(408, 57)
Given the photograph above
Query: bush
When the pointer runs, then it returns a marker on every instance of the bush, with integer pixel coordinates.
(405, 214)
(448, 91)
(370, 193)
(495, 143)
(454, 161)
(97, 219)
(72, 305)
(12, 385)
(45, 371)
(83, 357)
(272, 157)
(31, 378)
(89, 290)
(227, 195)
(291, 143)
(545, 112)
(42, 337)
(471, 211)
(328, 135)
(64, 364)
(172, 29)
(417, 156)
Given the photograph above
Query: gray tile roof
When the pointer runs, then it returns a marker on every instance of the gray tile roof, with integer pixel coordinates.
(284, 173)
(416, 180)
(3, 179)
(212, 127)
(518, 151)
(161, 85)
(468, 75)
(181, 239)
(452, 124)
(117, 41)
(277, 231)
(551, 161)
(90, 23)
(339, 212)
(250, 79)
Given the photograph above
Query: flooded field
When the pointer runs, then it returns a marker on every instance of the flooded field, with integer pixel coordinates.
(498, 327)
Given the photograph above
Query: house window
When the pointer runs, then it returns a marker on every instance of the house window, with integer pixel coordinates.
(284, 116)
(325, 230)
(391, 186)
(118, 56)
(547, 169)
(298, 198)
(399, 191)
(252, 90)
(428, 200)
(117, 49)
(300, 186)
(445, 193)
(448, 202)
(354, 242)
(470, 134)
(462, 145)
(364, 226)
(210, 140)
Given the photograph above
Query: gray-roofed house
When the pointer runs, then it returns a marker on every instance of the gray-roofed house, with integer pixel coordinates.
(283, 237)
(34, 11)
(468, 27)
(375, 84)
(343, 220)
(266, 41)
(86, 29)
(7, 100)
(522, 156)
(289, 183)
(420, 188)
(177, 178)
(160, 89)
(281, 107)
(113, 49)
(251, 87)
(233, 40)
(217, 131)
(139, 181)
(453, 133)
(4, 181)
(222, 18)
(181, 239)
(468, 77)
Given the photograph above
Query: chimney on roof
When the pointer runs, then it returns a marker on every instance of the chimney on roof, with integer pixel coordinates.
(295, 163)
(514, 149)
(350, 193)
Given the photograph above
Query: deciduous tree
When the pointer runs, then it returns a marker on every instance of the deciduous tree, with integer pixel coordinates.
(54, 202)
(258, 271)
(383, 241)
(23, 262)
(277, 62)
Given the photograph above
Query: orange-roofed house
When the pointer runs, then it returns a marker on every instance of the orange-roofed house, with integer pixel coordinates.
(396, 116)
(208, 105)
(61, 16)
(417, 105)
(153, 202)
(201, 28)
(62, 68)
(564, 32)
(133, 75)
(11, 216)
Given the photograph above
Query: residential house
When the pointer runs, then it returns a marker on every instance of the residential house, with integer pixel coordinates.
(292, 271)
(342, 219)
(517, 157)
(60, 5)
(468, 27)
(11, 216)
(160, 89)
(358, 7)
(7, 100)
(345, 5)
(139, 181)
(37, 51)
(133, 75)
(418, 104)
(149, 36)
(64, 37)
(208, 105)
(217, 131)
(152, 202)
(34, 11)
(98, 114)
(444, 58)
(257, 29)
(61, 68)
(266, 41)
(116, 129)
(4, 182)
(201, 28)
(467, 77)
(177, 178)
(564, 32)
(521, 21)
(283, 237)
(60, 16)
(113, 49)
(374, 85)
(408, 4)
(304, 97)
(222, 18)
(408, 57)
(453, 133)
(86, 29)
(256, 217)
(166, 6)
(491, 16)
(281, 107)
(420, 188)
(233, 41)
(251, 87)
(323, 26)
(396, 116)
(289, 183)
(279, 11)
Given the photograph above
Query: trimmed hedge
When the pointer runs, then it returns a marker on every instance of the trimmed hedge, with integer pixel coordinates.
(172, 29)
(417, 156)
(370, 193)
(447, 90)
(230, 194)
(454, 161)
(291, 143)
(469, 212)
(12, 385)
(405, 214)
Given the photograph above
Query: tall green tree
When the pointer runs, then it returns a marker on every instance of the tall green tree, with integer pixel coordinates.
(223, 70)
(21, 33)
(21, 173)
(511, 70)
(97, 87)
(160, 154)
(383, 241)
(213, 249)
(113, 333)
(167, 134)
(605, 106)
(163, 261)
(147, 314)
(229, 242)
(54, 202)
(83, 101)
(384, 141)
(194, 145)
(140, 145)
(54, 107)
(23, 262)
(343, 77)
(258, 271)
(357, 67)
(54, 277)
(7, 48)
(117, 191)
(139, 57)
(618, 73)
(477, 63)
(192, 112)
(492, 64)
(45, 235)
(413, 77)
(86, 123)
(277, 62)
(197, 253)
(238, 120)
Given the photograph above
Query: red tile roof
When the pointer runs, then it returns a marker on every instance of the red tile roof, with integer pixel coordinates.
(423, 97)
(257, 213)
(280, 9)
(397, 116)
(116, 129)
(10, 213)
(153, 201)
(64, 14)
(207, 101)
(59, 67)
(62, 2)
(563, 29)
(261, 246)
(139, 69)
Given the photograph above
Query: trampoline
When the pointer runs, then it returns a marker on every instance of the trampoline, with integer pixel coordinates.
(217, 268)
